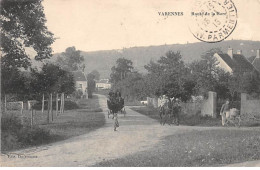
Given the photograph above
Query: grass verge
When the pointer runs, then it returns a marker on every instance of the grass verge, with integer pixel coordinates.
(197, 148)
(72, 123)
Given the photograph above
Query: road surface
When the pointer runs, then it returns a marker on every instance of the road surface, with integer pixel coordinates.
(136, 133)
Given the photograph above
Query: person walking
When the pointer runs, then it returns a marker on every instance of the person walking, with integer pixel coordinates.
(223, 111)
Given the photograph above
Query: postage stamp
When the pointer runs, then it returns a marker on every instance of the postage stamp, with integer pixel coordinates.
(212, 21)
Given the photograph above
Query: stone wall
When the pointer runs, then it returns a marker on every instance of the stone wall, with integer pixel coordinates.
(249, 105)
(205, 107)
(209, 105)
(191, 108)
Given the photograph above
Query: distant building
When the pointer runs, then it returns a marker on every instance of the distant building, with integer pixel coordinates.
(80, 81)
(103, 84)
(256, 60)
(231, 62)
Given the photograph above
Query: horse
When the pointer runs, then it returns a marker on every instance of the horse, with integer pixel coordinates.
(169, 111)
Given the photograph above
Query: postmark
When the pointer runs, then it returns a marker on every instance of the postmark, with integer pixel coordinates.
(212, 20)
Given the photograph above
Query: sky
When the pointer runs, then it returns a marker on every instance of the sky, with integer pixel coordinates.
(92, 25)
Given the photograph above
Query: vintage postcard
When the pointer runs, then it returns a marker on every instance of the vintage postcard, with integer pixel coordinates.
(130, 83)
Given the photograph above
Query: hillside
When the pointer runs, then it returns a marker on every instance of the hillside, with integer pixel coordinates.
(104, 60)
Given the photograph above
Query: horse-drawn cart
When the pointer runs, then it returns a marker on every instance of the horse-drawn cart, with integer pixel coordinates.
(115, 105)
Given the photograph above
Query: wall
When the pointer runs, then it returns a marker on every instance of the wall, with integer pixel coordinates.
(209, 105)
(249, 106)
(191, 108)
(205, 107)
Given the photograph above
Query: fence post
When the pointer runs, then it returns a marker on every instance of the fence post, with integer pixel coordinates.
(22, 114)
(63, 103)
(51, 108)
(31, 117)
(42, 103)
(57, 104)
(48, 112)
(60, 103)
(5, 108)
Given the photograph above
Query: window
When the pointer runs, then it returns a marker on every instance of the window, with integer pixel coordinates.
(80, 86)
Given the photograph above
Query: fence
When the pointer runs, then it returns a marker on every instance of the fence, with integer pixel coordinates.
(30, 116)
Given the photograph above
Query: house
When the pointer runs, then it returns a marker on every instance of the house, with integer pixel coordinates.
(255, 60)
(231, 62)
(80, 81)
(103, 84)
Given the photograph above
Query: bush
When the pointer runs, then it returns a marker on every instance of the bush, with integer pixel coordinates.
(16, 136)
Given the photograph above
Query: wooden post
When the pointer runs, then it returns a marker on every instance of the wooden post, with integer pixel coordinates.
(22, 114)
(51, 108)
(60, 103)
(48, 113)
(57, 104)
(42, 103)
(31, 118)
(5, 108)
(63, 102)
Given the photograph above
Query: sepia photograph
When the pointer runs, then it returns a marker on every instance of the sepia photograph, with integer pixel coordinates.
(130, 83)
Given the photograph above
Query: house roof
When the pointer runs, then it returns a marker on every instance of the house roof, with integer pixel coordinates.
(251, 59)
(79, 76)
(256, 63)
(237, 63)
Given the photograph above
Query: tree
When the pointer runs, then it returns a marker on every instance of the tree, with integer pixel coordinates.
(206, 72)
(23, 25)
(91, 84)
(132, 87)
(119, 72)
(15, 83)
(96, 74)
(170, 76)
(51, 79)
(71, 60)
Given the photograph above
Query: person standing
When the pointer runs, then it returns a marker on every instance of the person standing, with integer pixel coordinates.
(116, 123)
(223, 111)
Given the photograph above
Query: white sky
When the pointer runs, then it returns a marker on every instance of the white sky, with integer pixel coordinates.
(92, 25)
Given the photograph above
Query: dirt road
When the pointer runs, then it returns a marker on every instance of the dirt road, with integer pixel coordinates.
(136, 133)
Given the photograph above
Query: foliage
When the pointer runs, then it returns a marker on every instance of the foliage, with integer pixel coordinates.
(23, 25)
(119, 72)
(96, 74)
(16, 136)
(71, 60)
(170, 76)
(13, 82)
(51, 79)
(91, 84)
(205, 72)
(132, 87)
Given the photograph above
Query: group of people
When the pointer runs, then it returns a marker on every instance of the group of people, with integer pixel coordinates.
(169, 108)
(115, 103)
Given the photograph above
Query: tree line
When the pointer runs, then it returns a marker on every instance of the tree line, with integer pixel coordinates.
(172, 77)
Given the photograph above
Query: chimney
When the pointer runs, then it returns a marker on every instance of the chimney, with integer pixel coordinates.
(239, 51)
(257, 53)
(230, 52)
